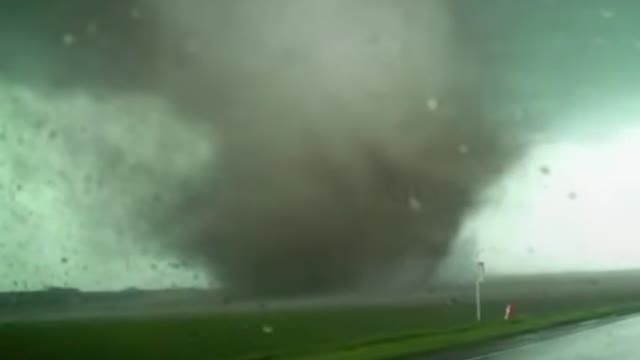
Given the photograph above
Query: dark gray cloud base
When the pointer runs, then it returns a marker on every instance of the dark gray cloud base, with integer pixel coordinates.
(352, 136)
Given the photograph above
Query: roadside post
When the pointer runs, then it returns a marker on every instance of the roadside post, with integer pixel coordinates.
(508, 312)
(479, 279)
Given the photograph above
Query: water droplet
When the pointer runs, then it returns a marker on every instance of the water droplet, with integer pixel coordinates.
(68, 39)
(518, 113)
(545, 170)
(414, 203)
(134, 13)
(192, 47)
(607, 14)
(432, 104)
(92, 28)
(463, 149)
(64, 260)
(267, 329)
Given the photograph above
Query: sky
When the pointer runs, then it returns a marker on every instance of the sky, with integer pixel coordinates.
(568, 204)
(57, 220)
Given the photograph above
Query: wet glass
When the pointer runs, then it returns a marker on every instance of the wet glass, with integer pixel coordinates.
(198, 156)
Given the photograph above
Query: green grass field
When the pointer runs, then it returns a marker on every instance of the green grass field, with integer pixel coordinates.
(350, 333)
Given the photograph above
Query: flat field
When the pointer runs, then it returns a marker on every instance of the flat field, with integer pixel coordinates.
(331, 328)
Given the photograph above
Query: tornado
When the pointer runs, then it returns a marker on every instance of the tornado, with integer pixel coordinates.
(352, 138)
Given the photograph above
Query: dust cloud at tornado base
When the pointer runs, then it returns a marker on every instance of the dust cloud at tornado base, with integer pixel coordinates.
(351, 138)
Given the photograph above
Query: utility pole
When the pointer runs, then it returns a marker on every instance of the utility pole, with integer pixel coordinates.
(478, 307)
(479, 279)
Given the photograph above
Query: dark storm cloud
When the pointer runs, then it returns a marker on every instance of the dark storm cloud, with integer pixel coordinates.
(352, 135)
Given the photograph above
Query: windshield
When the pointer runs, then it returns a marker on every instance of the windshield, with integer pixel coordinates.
(203, 156)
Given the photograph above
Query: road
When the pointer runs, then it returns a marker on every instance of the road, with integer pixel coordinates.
(608, 339)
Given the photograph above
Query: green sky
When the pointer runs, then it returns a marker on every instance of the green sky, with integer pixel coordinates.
(567, 71)
(70, 213)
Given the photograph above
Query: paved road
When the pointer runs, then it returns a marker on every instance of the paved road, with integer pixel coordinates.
(616, 340)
